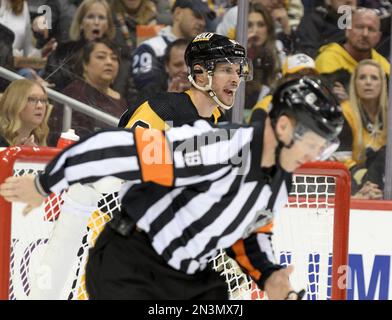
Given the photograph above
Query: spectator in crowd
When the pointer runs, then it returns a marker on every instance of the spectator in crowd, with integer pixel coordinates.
(175, 67)
(61, 14)
(265, 51)
(384, 10)
(320, 26)
(279, 11)
(127, 15)
(165, 12)
(336, 62)
(6, 56)
(286, 13)
(93, 19)
(295, 66)
(24, 113)
(15, 16)
(148, 65)
(98, 67)
(365, 129)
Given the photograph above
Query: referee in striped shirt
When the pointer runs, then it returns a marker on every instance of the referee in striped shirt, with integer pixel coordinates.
(198, 188)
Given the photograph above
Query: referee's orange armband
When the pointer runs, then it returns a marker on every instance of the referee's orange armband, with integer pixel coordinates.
(154, 155)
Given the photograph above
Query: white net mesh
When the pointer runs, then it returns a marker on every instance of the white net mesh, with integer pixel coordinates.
(302, 236)
(31, 233)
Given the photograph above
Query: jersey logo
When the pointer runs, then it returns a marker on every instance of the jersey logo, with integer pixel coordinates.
(192, 159)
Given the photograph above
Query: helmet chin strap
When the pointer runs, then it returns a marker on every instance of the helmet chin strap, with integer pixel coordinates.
(207, 88)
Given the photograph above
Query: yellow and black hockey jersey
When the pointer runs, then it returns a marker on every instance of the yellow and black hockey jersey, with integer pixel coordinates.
(165, 110)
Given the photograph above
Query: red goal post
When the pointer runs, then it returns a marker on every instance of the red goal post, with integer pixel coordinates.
(335, 197)
(8, 157)
(341, 217)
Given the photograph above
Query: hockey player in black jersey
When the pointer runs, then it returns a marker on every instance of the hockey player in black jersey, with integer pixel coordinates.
(160, 246)
(216, 65)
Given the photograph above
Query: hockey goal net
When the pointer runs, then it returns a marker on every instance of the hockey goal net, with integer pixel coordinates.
(311, 233)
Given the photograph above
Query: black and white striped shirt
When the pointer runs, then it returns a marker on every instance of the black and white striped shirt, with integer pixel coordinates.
(212, 194)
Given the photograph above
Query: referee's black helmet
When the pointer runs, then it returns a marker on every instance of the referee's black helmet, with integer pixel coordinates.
(311, 104)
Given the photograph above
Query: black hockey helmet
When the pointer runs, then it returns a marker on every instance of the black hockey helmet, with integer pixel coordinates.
(313, 106)
(209, 48)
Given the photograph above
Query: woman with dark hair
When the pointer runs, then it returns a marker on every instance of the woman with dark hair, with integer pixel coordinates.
(265, 51)
(97, 67)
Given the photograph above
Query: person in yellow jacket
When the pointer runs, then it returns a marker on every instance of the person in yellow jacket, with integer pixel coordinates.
(365, 131)
(338, 61)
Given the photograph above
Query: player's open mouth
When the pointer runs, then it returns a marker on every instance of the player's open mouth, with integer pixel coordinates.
(229, 92)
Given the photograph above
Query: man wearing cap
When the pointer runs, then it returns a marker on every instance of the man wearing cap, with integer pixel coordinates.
(189, 20)
(295, 66)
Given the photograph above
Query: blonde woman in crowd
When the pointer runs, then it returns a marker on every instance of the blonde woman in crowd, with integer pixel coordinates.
(365, 129)
(24, 113)
(93, 20)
